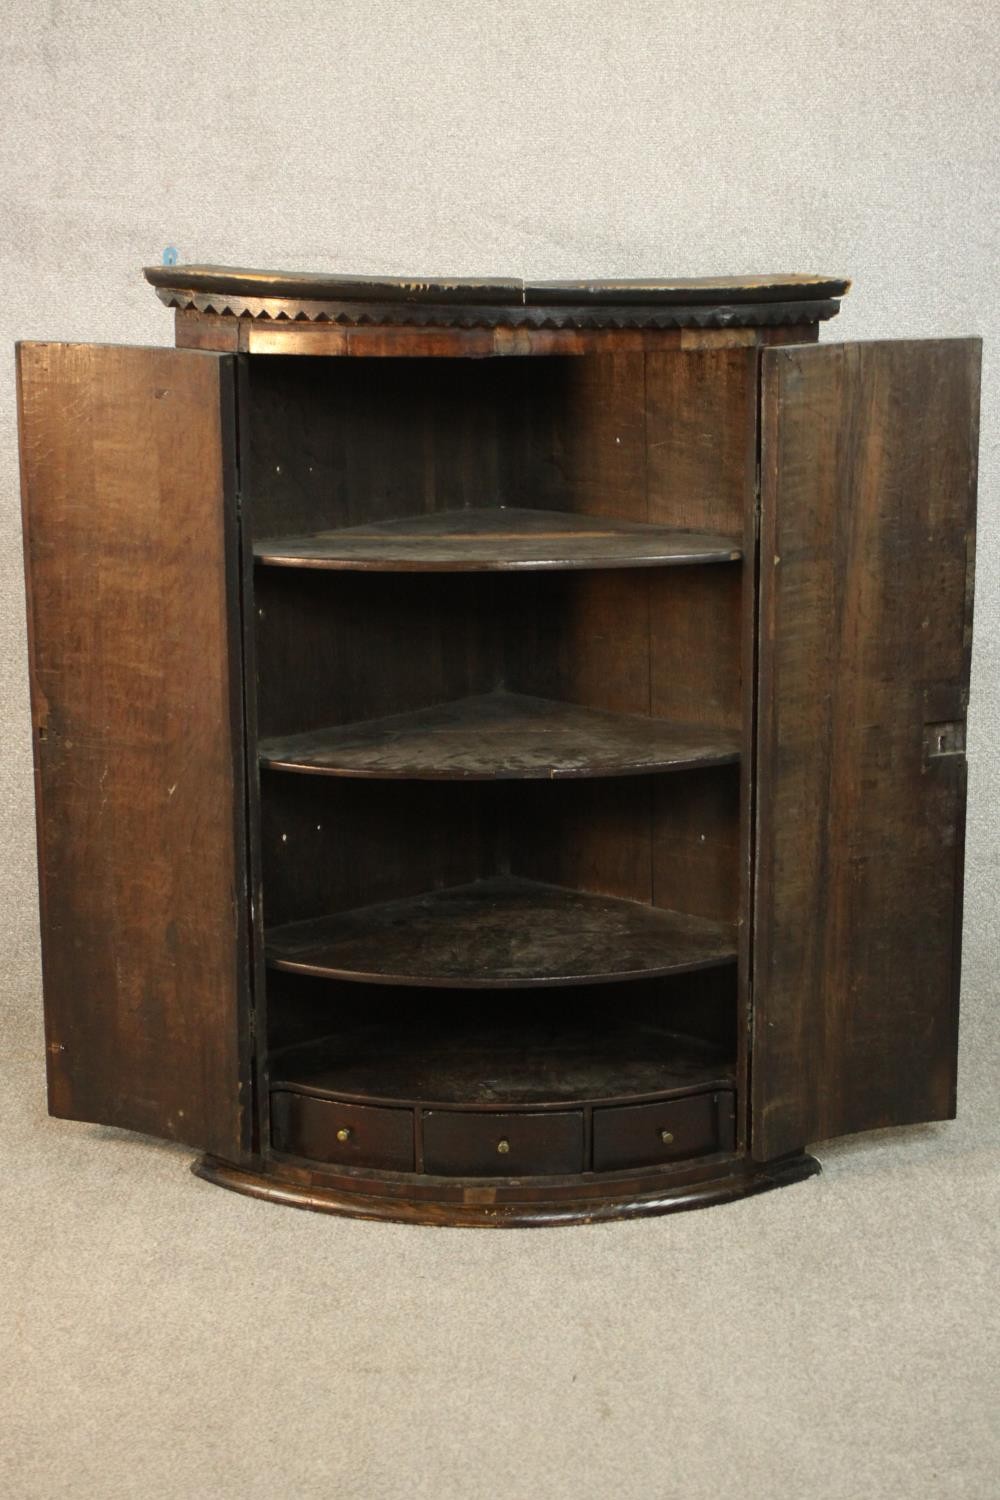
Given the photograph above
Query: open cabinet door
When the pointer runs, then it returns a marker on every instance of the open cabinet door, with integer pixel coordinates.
(131, 550)
(866, 559)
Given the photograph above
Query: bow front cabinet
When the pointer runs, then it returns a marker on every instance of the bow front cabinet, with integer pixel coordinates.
(499, 745)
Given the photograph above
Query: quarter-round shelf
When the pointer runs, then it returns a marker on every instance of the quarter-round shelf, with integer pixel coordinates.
(496, 736)
(496, 539)
(502, 933)
(537, 1060)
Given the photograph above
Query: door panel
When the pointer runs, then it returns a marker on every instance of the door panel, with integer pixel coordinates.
(867, 516)
(131, 552)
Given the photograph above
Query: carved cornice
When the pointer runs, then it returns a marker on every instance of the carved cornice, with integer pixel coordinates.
(496, 302)
(359, 314)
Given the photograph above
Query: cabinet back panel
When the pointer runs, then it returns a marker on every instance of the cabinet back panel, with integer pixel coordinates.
(339, 442)
(332, 845)
(701, 415)
(337, 649)
(666, 438)
(663, 642)
(304, 1008)
(669, 841)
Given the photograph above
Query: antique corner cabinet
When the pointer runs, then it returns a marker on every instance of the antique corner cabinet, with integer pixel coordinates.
(500, 746)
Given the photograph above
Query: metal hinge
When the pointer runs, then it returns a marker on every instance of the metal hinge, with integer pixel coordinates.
(944, 739)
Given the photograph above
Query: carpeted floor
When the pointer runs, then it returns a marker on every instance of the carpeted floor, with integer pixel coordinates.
(837, 1340)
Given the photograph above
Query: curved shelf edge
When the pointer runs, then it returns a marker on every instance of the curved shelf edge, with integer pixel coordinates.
(489, 539)
(733, 1181)
(533, 1062)
(471, 982)
(500, 736)
(524, 934)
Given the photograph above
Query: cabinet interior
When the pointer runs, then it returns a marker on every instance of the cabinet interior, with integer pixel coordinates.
(499, 611)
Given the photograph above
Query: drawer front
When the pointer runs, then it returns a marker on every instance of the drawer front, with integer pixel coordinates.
(351, 1135)
(457, 1144)
(643, 1135)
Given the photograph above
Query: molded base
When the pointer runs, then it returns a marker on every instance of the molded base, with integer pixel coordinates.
(740, 1181)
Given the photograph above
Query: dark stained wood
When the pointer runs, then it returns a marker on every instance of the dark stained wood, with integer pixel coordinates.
(501, 291)
(520, 1205)
(491, 726)
(696, 620)
(332, 444)
(503, 1145)
(495, 539)
(276, 313)
(583, 636)
(332, 845)
(299, 312)
(700, 417)
(346, 1133)
(338, 287)
(256, 336)
(501, 735)
(697, 831)
(311, 1017)
(337, 648)
(688, 290)
(868, 493)
(669, 841)
(515, 1056)
(574, 437)
(130, 547)
(324, 339)
(192, 331)
(498, 933)
(645, 1135)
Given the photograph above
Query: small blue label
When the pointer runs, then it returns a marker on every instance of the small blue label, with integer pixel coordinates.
(170, 255)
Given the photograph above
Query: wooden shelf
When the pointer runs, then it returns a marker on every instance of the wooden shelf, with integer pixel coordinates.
(499, 736)
(501, 933)
(495, 540)
(530, 1060)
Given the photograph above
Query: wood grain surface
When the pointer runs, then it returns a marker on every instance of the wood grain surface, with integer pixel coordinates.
(494, 539)
(501, 291)
(247, 335)
(512, 1055)
(501, 735)
(521, 1203)
(136, 697)
(501, 932)
(868, 496)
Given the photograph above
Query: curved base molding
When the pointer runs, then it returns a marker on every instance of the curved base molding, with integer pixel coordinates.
(739, 1181)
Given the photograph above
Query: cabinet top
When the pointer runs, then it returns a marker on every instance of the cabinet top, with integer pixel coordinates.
(498, 302)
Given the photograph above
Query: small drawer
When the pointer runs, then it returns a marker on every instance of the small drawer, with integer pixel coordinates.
(352, 1135)
(643, 1135)
(459, 1144)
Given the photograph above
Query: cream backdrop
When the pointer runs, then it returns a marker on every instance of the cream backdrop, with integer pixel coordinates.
(556, 138)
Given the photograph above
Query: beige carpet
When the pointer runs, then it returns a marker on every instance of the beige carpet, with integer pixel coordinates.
(162, 1337)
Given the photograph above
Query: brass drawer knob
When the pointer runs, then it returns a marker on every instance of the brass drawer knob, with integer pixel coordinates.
(666, 1136)
(503, 1147)
(344, 1133)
